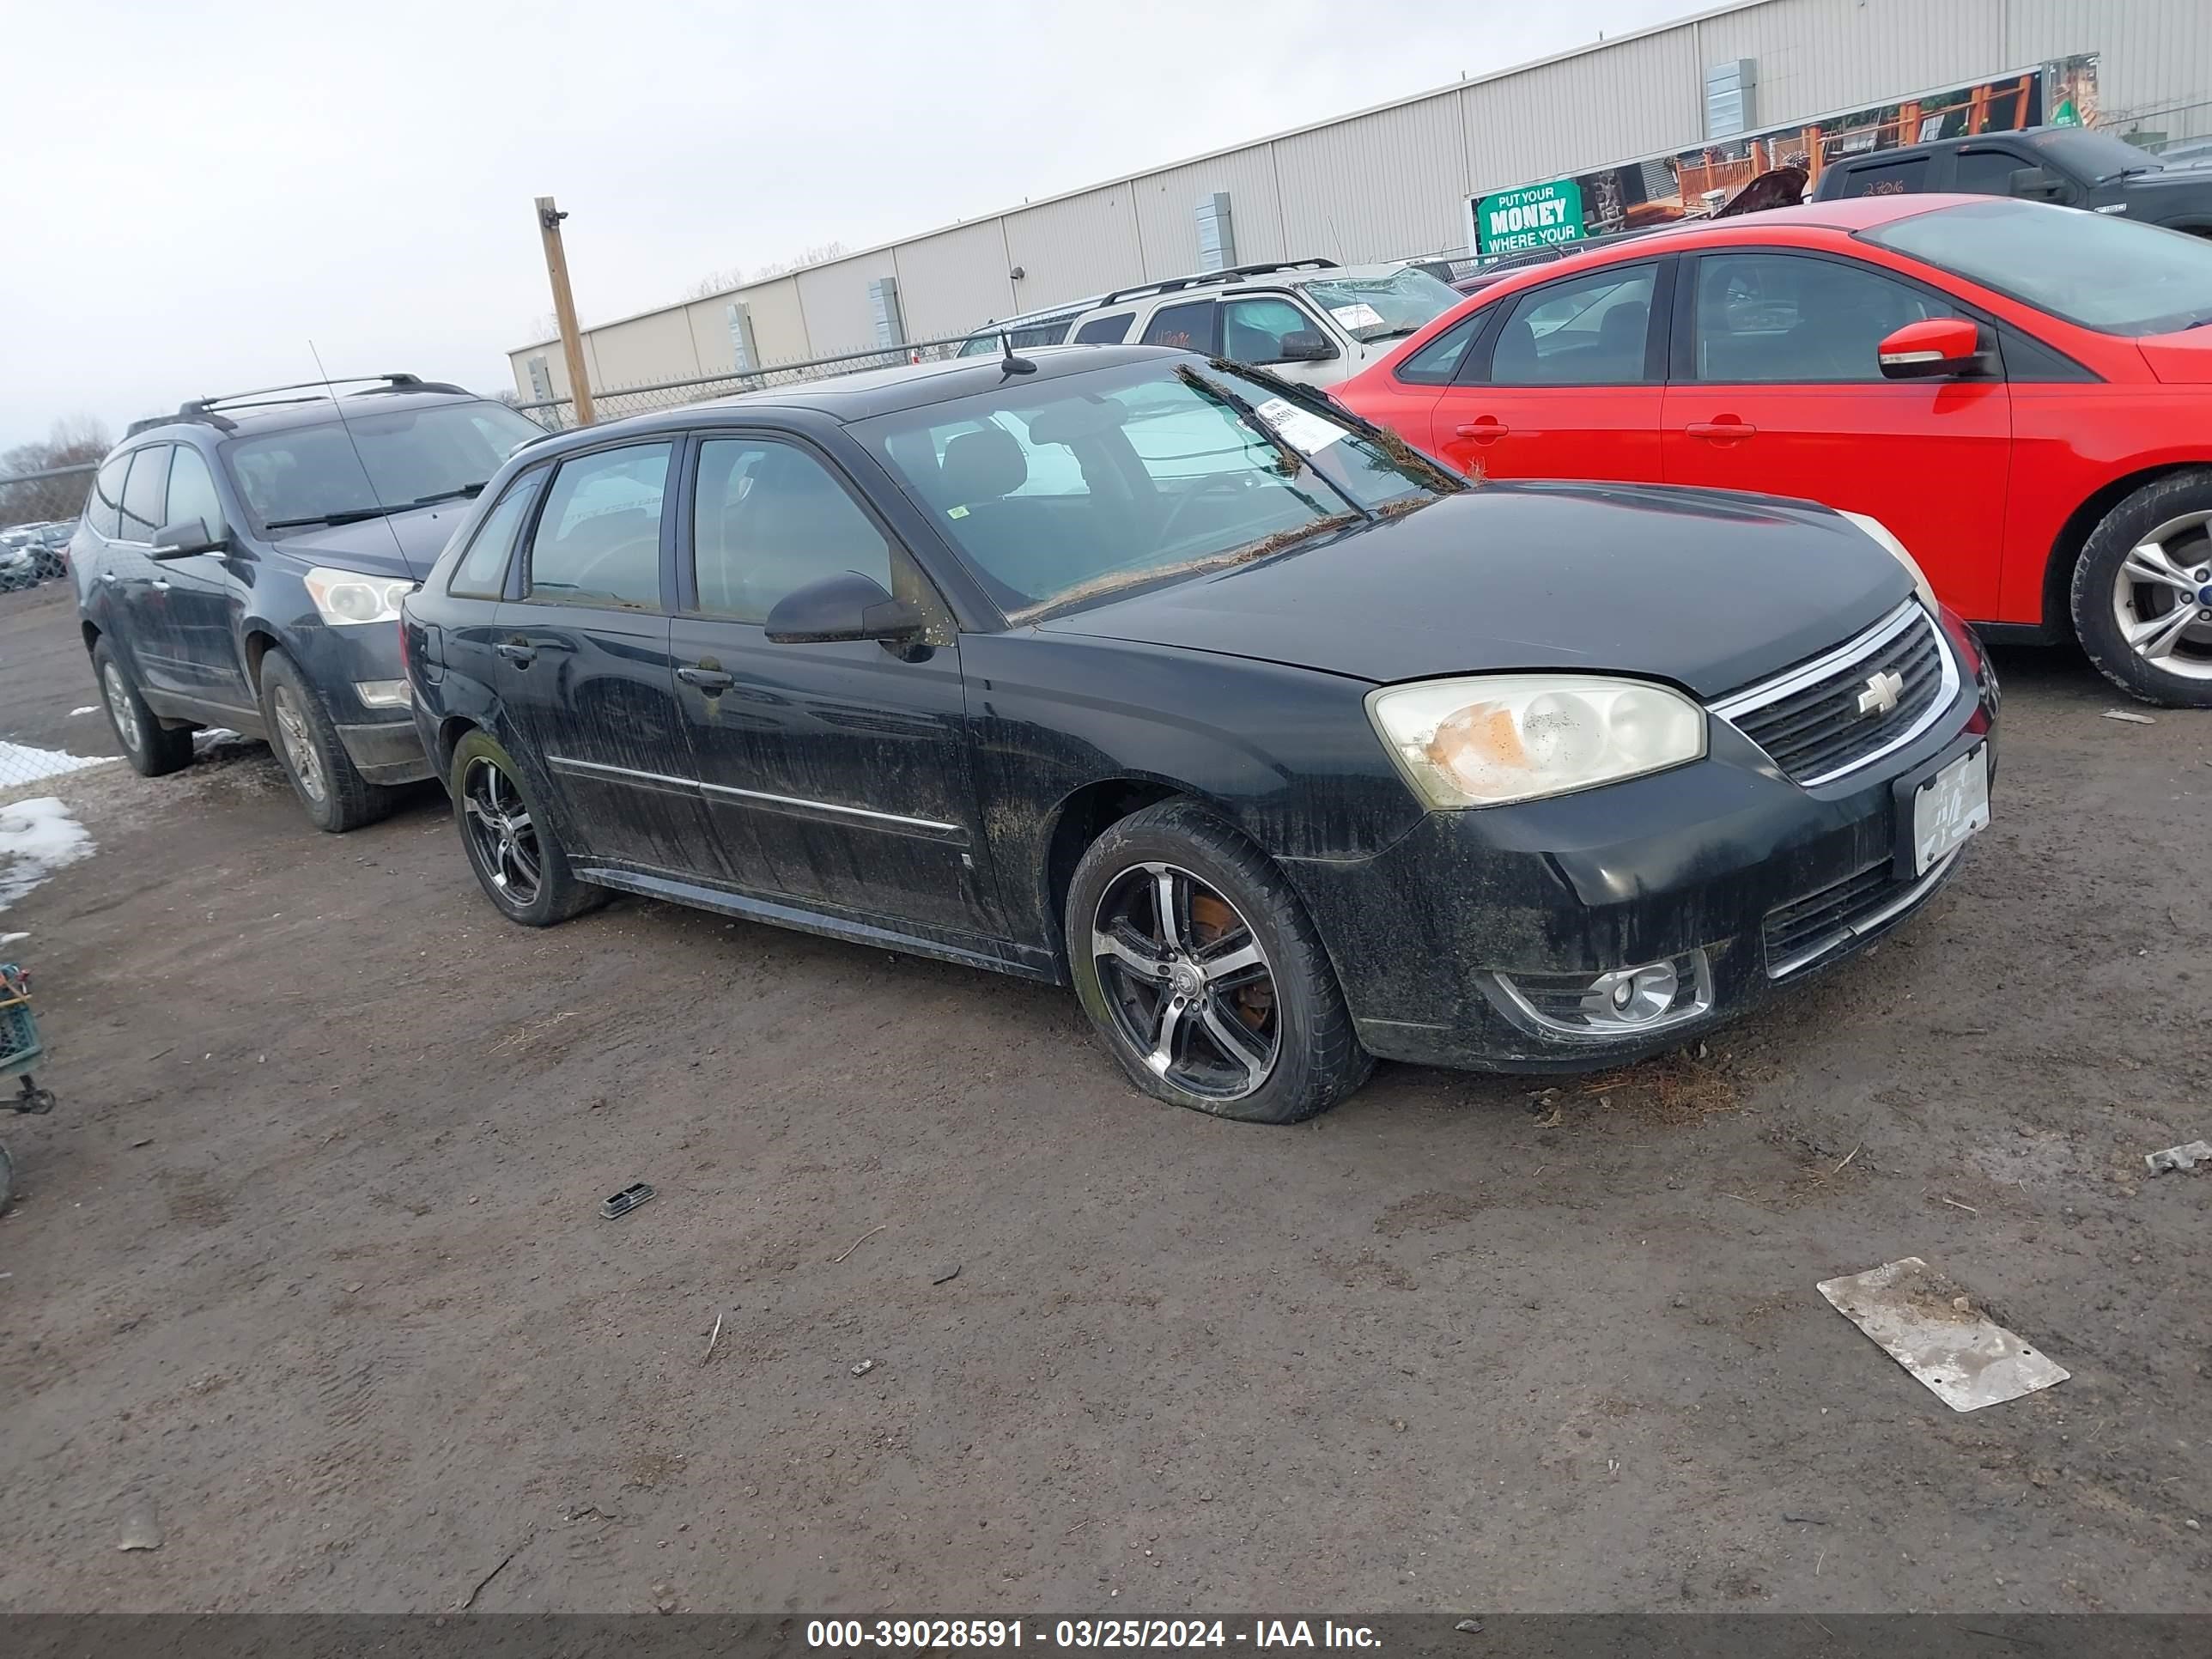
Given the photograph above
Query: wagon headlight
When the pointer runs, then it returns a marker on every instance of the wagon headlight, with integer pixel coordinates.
(1522, 736)
(345, 597)
(1896, 549)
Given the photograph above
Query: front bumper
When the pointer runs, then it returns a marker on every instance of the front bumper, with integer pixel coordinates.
(1724, 863)
(382, 741)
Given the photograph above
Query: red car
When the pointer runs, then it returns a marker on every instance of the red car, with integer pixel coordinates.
(2021, 393)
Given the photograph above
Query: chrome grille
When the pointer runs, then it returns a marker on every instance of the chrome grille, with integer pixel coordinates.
(1826, 718)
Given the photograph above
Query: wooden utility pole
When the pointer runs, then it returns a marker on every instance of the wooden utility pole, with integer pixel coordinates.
(564, 308)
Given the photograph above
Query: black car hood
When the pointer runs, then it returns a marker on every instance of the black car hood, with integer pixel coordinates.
(1706, 588)
(405, 544)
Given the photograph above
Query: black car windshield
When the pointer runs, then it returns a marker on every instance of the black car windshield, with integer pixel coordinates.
(2095, 156)
(1057, 492)
(311, 475)
(1382, 307)
(2092, 268)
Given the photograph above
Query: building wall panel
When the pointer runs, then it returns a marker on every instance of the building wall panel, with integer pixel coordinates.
(1644, 95)
(834, 298)
(1379, 185)
(1069, 249)
(951, 281)
(641, 351)
(2154, 56)
(1167, 210)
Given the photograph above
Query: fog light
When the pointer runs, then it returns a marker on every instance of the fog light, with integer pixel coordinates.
(383, 694)
(1619, 1002)
(1632, 996)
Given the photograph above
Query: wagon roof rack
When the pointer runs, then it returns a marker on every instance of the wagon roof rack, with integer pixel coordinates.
(1206, 278)
(370, 385)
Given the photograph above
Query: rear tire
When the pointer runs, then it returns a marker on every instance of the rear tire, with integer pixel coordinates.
(2142, 596)
(1232, 1007)
(511, 844)
(153, 749)
(331, 790)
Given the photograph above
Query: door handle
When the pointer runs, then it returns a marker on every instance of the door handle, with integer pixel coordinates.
(1722, 431)
(708, 676)
(108, 576)
(520, 652)
(1487, 430)
(159, 587)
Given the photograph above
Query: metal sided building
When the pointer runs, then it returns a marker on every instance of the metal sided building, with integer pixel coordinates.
(1661, 123)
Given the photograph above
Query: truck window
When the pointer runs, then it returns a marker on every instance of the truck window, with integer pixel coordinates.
(1898, 178)
(1986, 172)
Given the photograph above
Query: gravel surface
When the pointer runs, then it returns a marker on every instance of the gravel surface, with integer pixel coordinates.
(309, 1276)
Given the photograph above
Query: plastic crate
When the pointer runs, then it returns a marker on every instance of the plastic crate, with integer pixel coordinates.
(19, 1032)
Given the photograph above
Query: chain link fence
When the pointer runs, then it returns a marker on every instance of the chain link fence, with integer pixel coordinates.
(612, 404)
(2164, 128)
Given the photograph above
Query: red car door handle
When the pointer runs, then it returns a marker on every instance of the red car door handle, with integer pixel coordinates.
(1720, 431)
(1488, 429)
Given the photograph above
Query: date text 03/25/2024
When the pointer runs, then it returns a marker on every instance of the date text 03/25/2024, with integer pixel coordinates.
(895, 1634)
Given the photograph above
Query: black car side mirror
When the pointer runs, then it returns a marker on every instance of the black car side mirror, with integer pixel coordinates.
(2037, 185)
(1305, 345)
(186, 537)
(846, 606)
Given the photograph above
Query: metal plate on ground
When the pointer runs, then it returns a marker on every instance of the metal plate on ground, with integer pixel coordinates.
(1928, 1323)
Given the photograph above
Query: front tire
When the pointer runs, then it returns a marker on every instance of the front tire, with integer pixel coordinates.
(1203, 974)
(511, 844)
(2143, 593)
(153, 749)
(331, 790)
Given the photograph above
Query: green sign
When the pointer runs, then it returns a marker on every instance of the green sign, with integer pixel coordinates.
(1536, 216)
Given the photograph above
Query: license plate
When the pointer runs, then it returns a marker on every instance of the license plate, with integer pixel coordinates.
(1948, 808)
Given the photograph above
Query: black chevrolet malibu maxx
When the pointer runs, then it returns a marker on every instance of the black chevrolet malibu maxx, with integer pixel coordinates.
(1172, 680)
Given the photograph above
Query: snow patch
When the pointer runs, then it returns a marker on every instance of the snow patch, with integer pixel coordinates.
(21, 764)
(37, 837)
(89, 708)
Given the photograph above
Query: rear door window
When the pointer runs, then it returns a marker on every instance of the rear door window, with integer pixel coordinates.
(1189, 326)
(1900, 178)
(146, 493)
(1588, 331)
(598, 539)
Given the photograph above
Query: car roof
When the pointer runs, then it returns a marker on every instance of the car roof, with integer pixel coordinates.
(1848, 215)
(858, 397)
(248, 419)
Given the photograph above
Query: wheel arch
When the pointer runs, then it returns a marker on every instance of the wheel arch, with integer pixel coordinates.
(258, 642)
(2074, 536)
(1081, 817)
(451, 731)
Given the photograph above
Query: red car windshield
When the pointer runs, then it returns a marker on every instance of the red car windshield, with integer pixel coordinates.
(2091, 268)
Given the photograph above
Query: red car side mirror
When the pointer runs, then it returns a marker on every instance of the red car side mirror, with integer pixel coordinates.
(1933, 349)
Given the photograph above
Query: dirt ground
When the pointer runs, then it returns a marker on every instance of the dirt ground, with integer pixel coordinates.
(310, 1258)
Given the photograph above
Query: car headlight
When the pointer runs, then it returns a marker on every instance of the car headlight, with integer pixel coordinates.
(1882, 533)
(1485, 741)
(346, 597)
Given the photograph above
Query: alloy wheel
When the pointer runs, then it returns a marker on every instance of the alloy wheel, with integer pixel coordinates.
(501, 829)
(2162, 596)
(119, 706)
(292, 731)
(1187, 982)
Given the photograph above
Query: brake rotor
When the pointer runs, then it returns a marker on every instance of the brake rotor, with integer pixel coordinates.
(1211, 921)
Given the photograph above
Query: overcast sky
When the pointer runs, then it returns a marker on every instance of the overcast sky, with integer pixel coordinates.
(194, 193)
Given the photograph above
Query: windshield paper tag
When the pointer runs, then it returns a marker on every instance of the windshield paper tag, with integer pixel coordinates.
(1352, 318)
(1302, 431)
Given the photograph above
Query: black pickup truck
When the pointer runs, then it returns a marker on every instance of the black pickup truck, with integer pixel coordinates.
(2071, 166)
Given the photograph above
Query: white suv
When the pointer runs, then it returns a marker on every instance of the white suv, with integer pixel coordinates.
(1312, 319)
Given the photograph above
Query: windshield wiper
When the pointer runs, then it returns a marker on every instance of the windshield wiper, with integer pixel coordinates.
(468, 490)
(349, 515)
(1390, 334)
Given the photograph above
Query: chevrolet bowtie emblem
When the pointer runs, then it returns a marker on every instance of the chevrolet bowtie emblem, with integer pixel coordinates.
(1882, 693)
